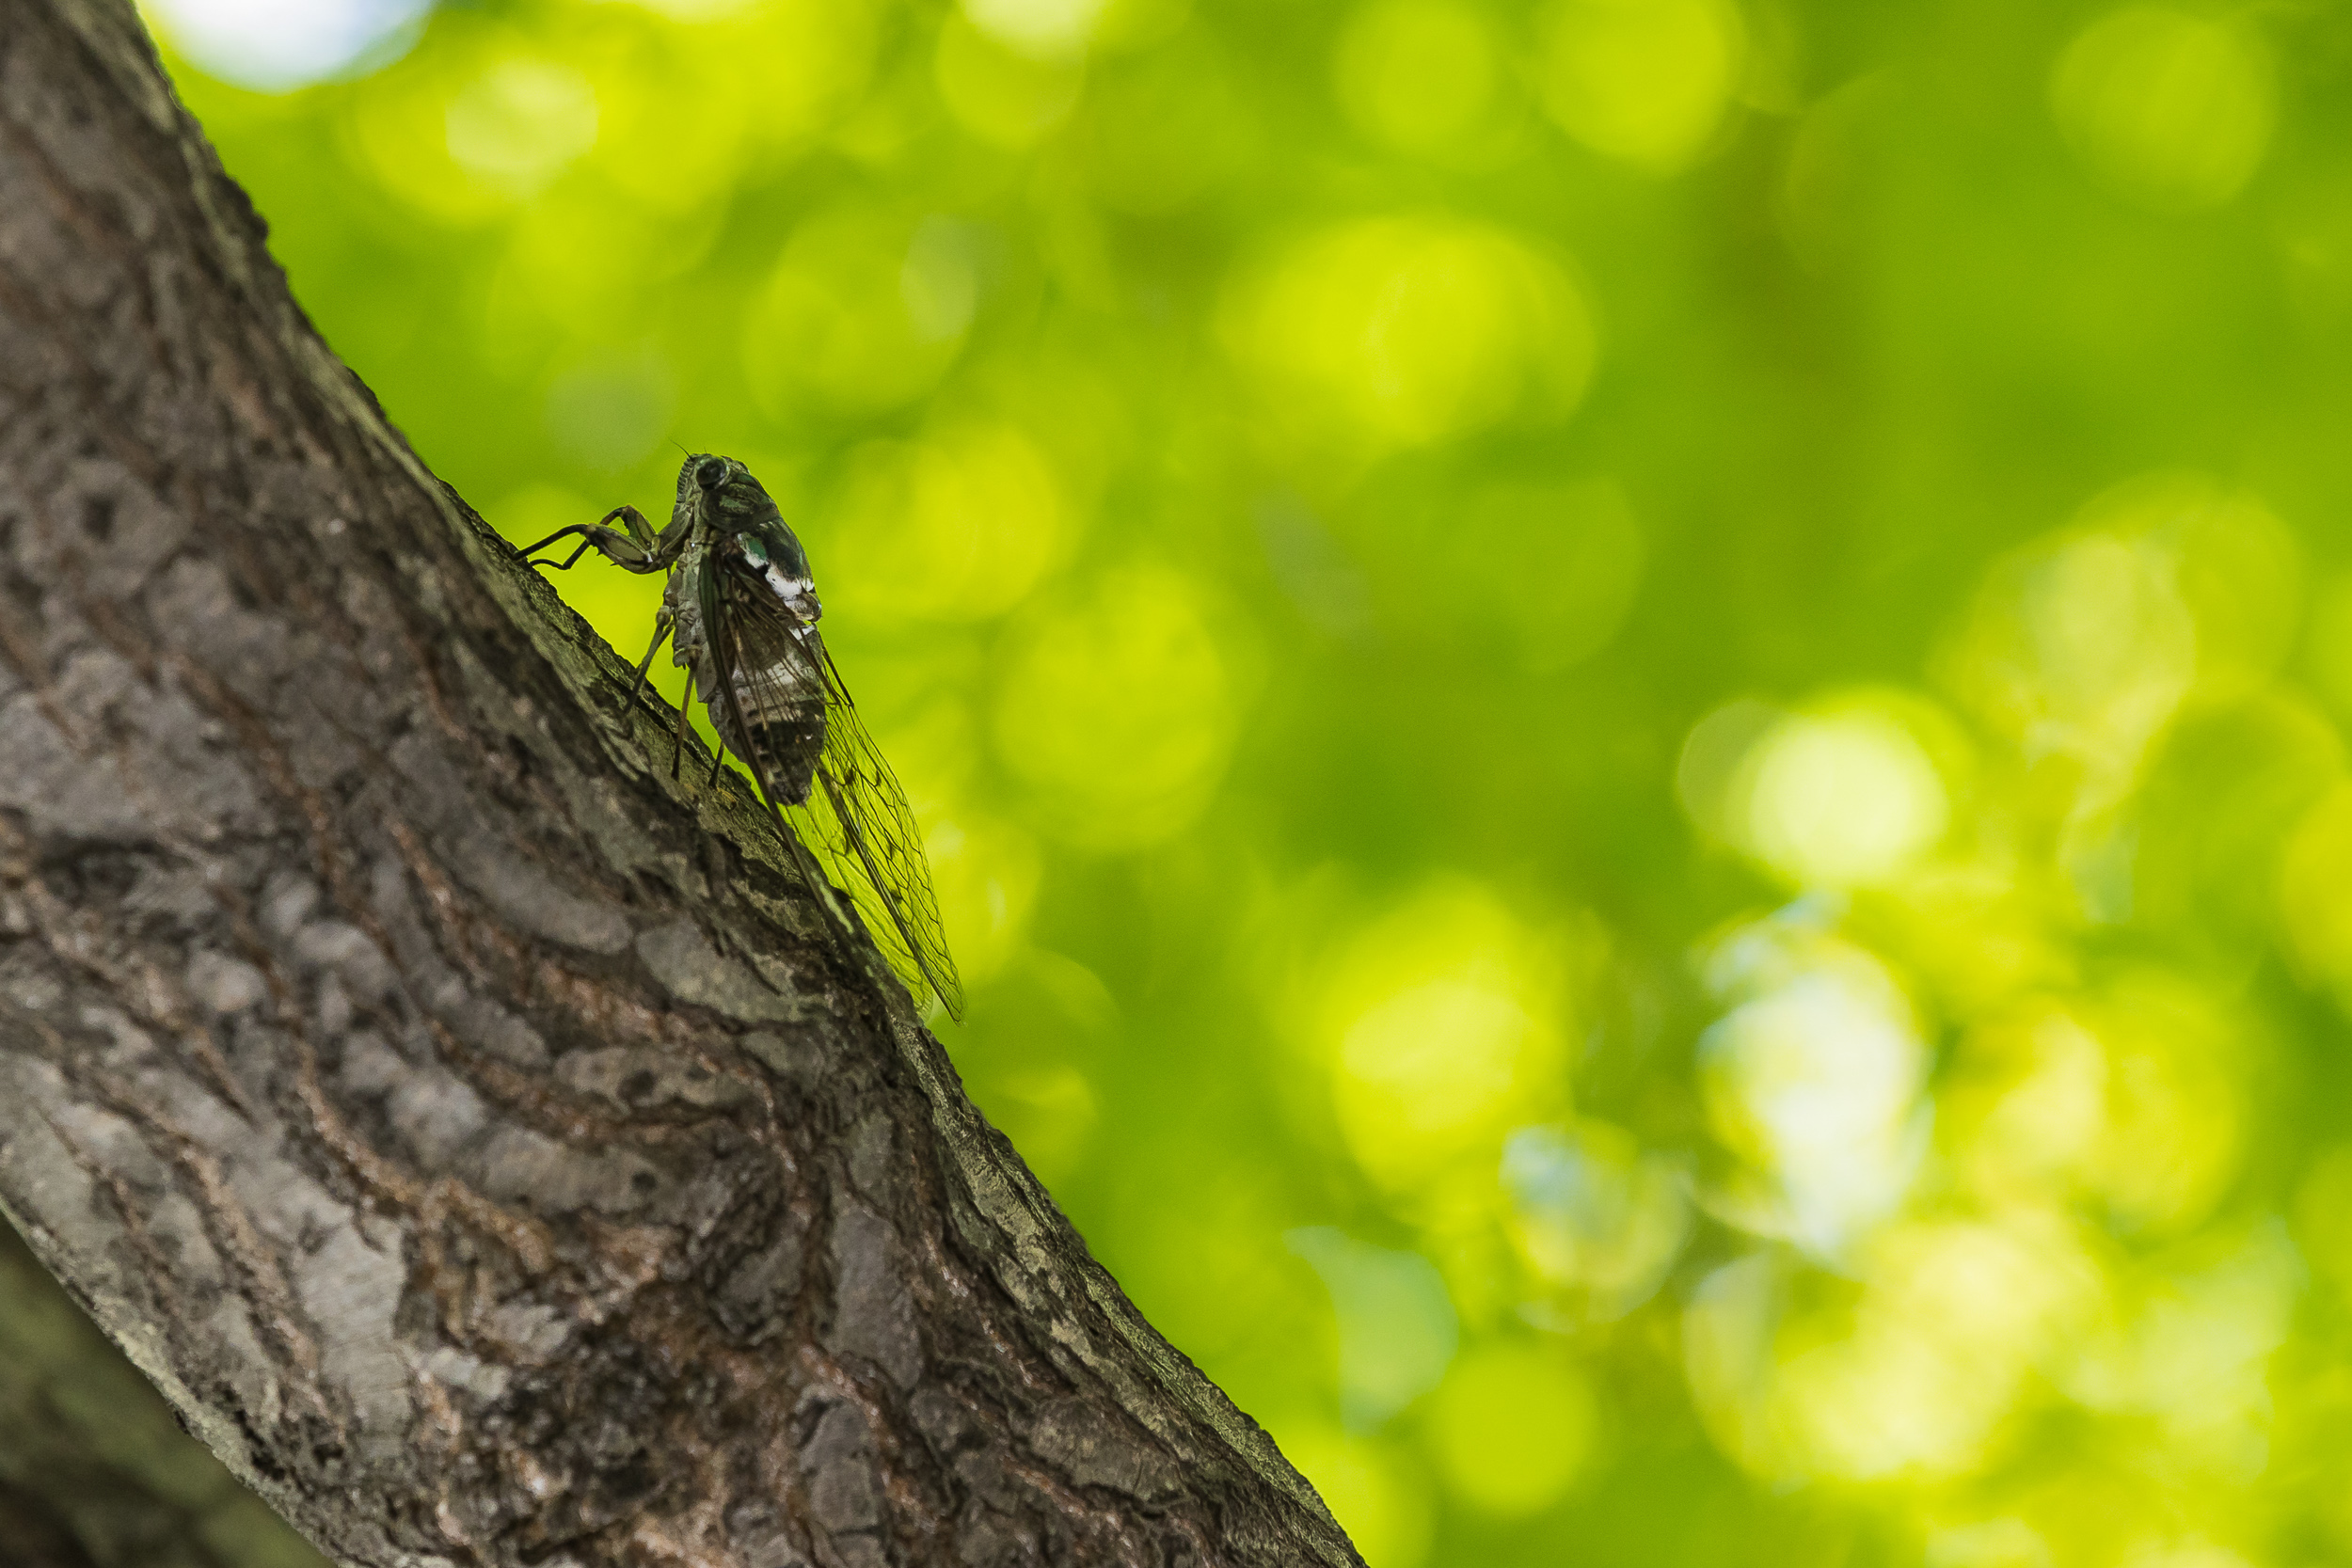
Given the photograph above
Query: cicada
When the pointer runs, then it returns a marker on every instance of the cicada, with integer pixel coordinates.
(740, 611)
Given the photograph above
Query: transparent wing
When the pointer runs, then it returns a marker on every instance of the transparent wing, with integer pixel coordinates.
(855, 816)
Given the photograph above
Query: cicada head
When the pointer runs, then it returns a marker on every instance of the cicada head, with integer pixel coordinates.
(735, 505)
(724, 493)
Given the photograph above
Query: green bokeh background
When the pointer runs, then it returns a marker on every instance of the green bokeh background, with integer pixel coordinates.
(1631, 712)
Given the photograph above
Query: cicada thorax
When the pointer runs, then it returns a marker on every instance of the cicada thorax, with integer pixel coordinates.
(682, 607)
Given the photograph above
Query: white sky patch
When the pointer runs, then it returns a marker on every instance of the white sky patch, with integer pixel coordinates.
(1814, 1077)
(278, 45)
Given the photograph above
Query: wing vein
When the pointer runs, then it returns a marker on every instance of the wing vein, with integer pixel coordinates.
(841, 795)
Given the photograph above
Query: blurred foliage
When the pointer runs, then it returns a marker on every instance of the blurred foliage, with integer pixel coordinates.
(95, 1469)
(1631, 711)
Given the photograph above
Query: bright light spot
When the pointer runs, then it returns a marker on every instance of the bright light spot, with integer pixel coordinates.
(1413, 330)
(1644, 81)
(2129, 1097)
(2190, 1553)
(1429, 1067)
(1001, 92)
(1121, 711)
(958, 526)
(2004, 1543)
(1815, 1079)
(2196, 1354)
(1440, 1023)
(2084, 643)
(2173, 107)
(1953, 1320)
(1512, 1425)
(521, 120)
(1046, 29)
(1418, 74)
(2175, 1111)
(1727, 1334)
(1919, 1373)
(2103, 616)
(1593, 1214)
(1841, 798)
(1867, 1411)
(278, 45)
(1397, 1332)
(2028, 1103)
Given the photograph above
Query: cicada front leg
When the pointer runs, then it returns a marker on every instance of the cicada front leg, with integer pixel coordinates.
(634, 546)
(638, 550)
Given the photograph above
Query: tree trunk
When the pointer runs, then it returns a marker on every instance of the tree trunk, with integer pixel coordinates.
(487, 1144)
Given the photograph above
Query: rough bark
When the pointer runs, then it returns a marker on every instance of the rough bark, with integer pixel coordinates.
(483, 1142)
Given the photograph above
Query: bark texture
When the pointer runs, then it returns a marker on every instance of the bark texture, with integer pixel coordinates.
(482, 1141)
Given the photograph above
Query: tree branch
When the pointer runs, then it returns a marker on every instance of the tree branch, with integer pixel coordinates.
(482, 1140)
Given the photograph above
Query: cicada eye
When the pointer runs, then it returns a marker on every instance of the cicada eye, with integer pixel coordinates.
(711, 472)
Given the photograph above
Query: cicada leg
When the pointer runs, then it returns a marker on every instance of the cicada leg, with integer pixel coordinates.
(677, 739)
(661, 628)
(638, 550)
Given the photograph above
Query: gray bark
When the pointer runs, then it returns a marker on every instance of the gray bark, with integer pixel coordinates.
(485, 1143)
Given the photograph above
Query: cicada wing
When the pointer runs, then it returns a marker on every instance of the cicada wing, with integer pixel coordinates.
(872, 823)
(839, 792)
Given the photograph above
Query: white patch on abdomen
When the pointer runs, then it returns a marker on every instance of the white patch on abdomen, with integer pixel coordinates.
(797, 593)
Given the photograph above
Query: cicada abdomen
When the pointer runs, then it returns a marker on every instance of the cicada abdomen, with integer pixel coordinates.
(779, 695)
(782, 701)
